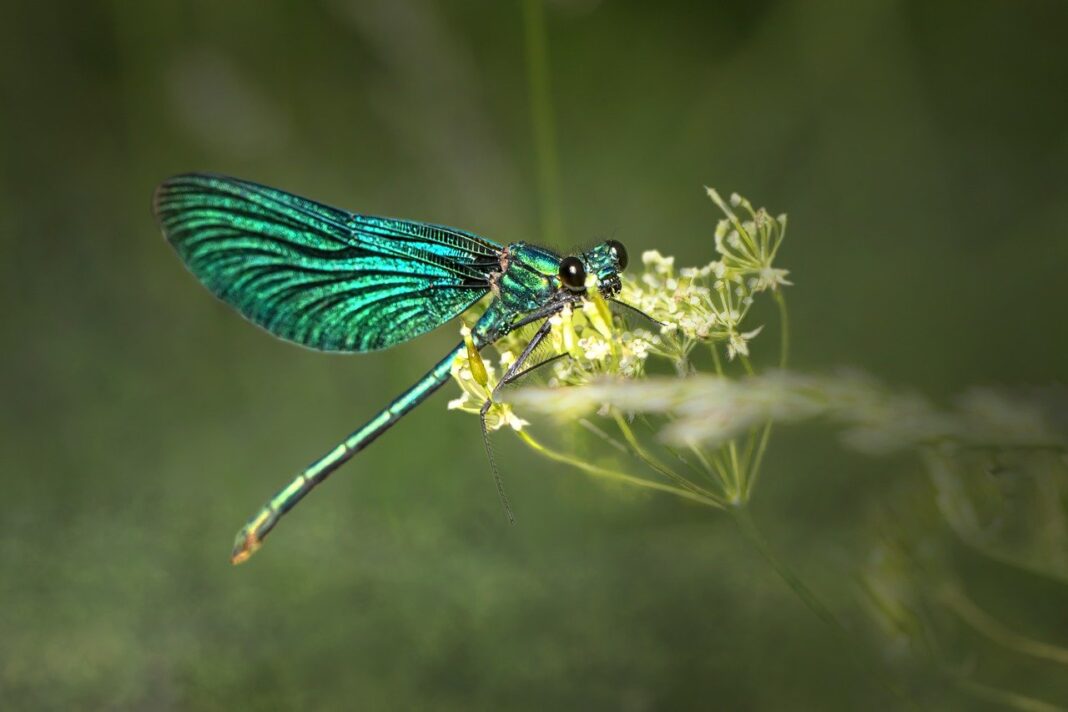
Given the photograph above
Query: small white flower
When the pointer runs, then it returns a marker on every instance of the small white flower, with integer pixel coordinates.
(660, 263)
(739, 343)
(771, 278)
(595, 349)
(512, 420)
(639, 347)
(708, 304)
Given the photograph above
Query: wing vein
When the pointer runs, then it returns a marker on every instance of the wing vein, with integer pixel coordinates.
(316, 275)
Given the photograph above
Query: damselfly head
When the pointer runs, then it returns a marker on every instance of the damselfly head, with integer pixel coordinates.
(605, 262)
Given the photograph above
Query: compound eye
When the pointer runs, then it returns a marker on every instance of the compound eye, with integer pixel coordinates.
(573, 273)
(619, 253)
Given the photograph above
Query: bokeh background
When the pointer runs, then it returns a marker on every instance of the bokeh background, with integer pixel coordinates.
(920, 148)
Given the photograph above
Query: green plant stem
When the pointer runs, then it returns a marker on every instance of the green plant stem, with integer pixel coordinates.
(719, 457)
(701, 473)
(742, 517)
(751, 440)
(1012, 700)
(650, 461)
(717, 467)
(715, 359)
(997, 632)
(753, 471)
(703, 459)
(622, 477)
(603, 435)
(541, 109)
(747, 526)
(746, 364)
(750, 445)
(784, 329)
(737, 475)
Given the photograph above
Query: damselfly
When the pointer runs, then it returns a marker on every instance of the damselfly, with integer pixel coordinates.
(333, 280)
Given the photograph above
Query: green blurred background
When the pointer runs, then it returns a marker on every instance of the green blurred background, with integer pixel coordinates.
(920, 148)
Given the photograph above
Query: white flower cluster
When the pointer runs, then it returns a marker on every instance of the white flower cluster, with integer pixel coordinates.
(692, 305)
(709, 303)
(595, 346)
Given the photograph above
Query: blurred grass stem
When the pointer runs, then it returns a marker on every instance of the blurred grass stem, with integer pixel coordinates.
(1012, 700)
(541, 109)
(742, 517)
(994, 630)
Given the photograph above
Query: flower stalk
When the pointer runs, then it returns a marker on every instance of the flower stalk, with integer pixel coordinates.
(698, 310)
(688, 409)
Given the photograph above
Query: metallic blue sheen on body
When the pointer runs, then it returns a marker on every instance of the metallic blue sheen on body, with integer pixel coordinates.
(333, 280)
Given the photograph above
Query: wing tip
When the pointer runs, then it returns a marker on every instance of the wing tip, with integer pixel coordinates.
(157, 197)
(165, 187)
(159, 201)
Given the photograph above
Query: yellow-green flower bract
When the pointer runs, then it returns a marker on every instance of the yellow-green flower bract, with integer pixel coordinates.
(694, 305)
(477, 380)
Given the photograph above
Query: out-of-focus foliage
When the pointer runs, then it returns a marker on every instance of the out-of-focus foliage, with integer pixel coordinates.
(920, 149)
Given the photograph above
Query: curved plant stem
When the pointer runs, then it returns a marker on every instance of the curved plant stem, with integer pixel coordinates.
(584, 422)
(996, 631)
(1012, 700)
(650, 461)
(741, 516)
(622, 477)
(747, 526)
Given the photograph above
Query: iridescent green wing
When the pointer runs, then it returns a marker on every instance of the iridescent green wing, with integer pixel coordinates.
(321, 277)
